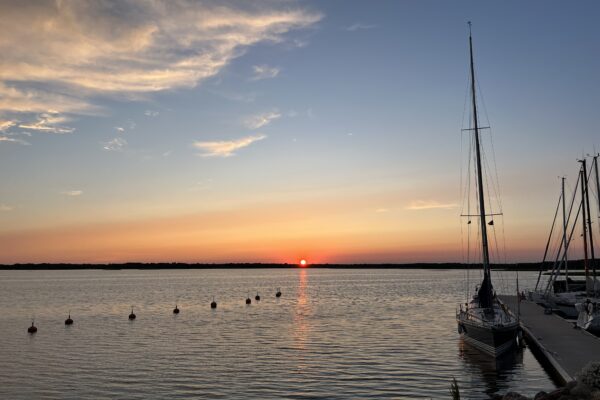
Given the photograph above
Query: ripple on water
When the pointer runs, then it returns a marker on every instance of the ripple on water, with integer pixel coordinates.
(333, 333)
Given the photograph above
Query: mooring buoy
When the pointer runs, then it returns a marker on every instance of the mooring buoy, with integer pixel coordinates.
(32, 328)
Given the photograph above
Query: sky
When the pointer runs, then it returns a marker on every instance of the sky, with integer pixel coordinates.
(272, 131)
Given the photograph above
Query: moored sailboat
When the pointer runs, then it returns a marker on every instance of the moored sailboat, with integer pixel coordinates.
(484, 321)
(589, 311)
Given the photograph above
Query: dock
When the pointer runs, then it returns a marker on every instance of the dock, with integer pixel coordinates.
(564, 349)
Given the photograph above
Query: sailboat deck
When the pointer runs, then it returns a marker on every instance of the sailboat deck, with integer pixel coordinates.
(566, 350)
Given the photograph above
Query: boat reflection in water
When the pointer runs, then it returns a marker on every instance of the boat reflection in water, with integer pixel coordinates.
(497, 373)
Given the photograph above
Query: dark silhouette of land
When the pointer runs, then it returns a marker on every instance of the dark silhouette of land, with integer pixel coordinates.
(574, 265)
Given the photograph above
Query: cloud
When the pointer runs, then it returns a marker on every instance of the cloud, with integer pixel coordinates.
(359, 26)
(264, 72)
(116, 144)
(5, 208)
(57, 54)
(48, 123)
(429, 204)
(260, 120)
(10, 139)
(119, 129)
(241, 97)
(226, 148)
(150, 113)
(25, 100)
(72, 193)
(5, 124)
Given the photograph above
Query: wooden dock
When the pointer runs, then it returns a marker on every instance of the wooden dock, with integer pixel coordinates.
(564, 349)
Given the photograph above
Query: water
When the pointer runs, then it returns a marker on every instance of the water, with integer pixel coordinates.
(332, 334)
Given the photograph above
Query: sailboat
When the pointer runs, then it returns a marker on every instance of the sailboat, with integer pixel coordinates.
(560, 295)
(567, 297)
(589, 310)
(484, 322)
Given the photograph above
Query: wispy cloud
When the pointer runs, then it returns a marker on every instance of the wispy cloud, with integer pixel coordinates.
(429, 204)
(26, 100)
(359, 27)
(48, 123)
(260, 120)
(233, 96)
(6, 124)
(202, 185)
(151, 113)
(382, 210)
(72, 193)
(226, 148)
(6, 207)
(11, 139)
(264, 72)
(119, 129)
(116, 144)
(73, 50)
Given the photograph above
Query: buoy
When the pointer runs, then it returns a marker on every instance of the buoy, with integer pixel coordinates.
(176, 310)
(214, 303)
(248, 301)
(32, 328)
(132, 315)
(69, 321)
(278, 294)
(257, 297)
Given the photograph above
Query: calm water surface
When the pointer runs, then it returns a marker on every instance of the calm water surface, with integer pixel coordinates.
(333, 334)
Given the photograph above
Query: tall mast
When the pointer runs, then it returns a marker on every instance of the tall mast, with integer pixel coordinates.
(583, 225)
(589, 225)
(565, 247)
(597, 183)
(484, 239)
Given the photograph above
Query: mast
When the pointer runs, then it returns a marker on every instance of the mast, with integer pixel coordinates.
(485, 294)
(565, 247)
(583, 222)
(589, 226)
(597, 183)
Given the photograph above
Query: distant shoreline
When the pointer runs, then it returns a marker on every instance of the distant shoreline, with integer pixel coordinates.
(131, 265)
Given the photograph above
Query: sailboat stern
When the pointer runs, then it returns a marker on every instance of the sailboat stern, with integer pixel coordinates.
(493, 340)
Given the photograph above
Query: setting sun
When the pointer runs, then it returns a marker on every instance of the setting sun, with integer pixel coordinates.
(303, 263)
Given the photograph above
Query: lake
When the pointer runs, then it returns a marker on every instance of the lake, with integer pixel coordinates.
(334, 333)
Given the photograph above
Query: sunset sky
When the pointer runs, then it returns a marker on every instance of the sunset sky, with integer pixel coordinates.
(278, 130)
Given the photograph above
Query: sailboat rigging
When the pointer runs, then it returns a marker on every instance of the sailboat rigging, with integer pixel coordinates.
(484, 322)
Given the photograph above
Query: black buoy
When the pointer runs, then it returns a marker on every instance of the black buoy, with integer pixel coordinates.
(278, 294)
(69, 321)
(214, 303)
(257, 297)
(176, 310)
(132, 315)
(32, 328)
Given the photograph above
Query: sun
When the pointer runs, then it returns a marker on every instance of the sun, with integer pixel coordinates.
(303, 263)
